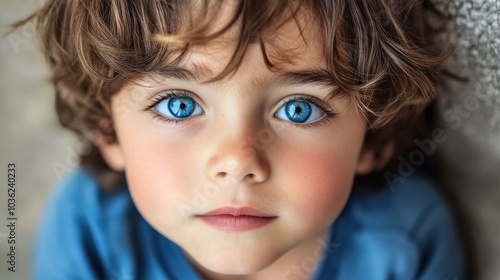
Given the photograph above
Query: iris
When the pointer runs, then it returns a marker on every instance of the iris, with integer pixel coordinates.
(298, 111)
(181, 107)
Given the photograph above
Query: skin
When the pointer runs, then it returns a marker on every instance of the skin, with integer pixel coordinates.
(238, 153)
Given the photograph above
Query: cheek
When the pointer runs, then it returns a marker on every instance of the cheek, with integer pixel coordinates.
(158, 175)
(317, 180)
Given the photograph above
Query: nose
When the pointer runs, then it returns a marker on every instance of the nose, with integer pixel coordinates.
(238, 159)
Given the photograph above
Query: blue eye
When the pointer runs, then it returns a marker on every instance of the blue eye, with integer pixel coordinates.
(299, 111)
(178, 107)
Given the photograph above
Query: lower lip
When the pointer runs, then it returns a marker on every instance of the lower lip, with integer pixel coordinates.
(236, 223)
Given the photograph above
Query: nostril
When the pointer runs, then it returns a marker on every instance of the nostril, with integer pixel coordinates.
(222, 175)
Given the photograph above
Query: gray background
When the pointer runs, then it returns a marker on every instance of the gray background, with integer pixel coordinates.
(31, 137)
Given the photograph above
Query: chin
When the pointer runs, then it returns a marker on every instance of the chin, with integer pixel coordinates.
(242, 263)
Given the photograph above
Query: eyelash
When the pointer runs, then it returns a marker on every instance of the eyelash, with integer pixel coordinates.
(329, 114)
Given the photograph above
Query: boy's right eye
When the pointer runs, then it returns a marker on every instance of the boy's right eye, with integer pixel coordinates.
(176, 106)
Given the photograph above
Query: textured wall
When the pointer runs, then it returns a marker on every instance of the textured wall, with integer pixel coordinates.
(469, 113)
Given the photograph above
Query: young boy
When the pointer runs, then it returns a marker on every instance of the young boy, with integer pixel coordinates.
(230, 135)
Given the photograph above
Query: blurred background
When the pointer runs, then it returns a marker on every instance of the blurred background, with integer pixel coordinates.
(469, 158)
(30, 135)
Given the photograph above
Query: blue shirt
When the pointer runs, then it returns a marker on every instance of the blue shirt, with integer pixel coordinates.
(403, 233)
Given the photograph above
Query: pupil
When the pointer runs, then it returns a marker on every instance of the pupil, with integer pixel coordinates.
(298, 110)
(183, 106)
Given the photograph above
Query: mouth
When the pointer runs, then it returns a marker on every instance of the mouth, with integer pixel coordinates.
(236, 219)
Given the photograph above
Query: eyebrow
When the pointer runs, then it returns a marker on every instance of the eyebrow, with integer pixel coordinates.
(307, 76)
(201, 73)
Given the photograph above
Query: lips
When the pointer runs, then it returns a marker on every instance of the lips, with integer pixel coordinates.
(236, 219)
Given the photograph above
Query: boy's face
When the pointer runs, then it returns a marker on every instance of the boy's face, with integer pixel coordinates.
(258, 139)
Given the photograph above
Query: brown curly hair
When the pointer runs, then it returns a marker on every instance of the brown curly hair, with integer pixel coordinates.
(381, 53)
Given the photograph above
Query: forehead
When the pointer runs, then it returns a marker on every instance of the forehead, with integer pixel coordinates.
(290, 43)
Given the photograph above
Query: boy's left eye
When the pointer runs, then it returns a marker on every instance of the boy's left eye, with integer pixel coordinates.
(299, 111)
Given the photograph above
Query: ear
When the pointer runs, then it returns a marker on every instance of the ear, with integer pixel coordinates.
(368, 162)
(112, 155)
